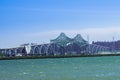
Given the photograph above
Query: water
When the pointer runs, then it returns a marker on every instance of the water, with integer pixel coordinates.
(85, 68)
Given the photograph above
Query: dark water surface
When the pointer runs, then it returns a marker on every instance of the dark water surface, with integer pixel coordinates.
(83, 68)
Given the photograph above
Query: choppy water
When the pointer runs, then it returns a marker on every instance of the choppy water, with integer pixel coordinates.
(85, 68)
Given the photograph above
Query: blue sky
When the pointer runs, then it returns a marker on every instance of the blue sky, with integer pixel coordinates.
(38, 21)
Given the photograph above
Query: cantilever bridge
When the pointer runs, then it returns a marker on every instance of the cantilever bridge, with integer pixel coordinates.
(62, 45)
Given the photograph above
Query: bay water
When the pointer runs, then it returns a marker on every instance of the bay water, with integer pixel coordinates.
(81, 68)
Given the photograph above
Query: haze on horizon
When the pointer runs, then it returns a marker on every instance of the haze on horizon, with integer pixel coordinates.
(38, 21)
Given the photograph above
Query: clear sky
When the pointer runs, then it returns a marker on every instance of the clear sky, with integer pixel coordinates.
(38, 21)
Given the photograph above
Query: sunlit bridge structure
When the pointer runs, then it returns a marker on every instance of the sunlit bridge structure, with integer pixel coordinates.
(62, 45)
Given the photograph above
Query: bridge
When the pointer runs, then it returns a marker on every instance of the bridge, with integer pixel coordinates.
(62, 45)
(55, 49)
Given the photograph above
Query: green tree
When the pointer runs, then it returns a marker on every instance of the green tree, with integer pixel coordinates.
(1, 55)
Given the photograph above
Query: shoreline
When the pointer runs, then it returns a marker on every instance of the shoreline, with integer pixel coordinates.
(45, 57)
